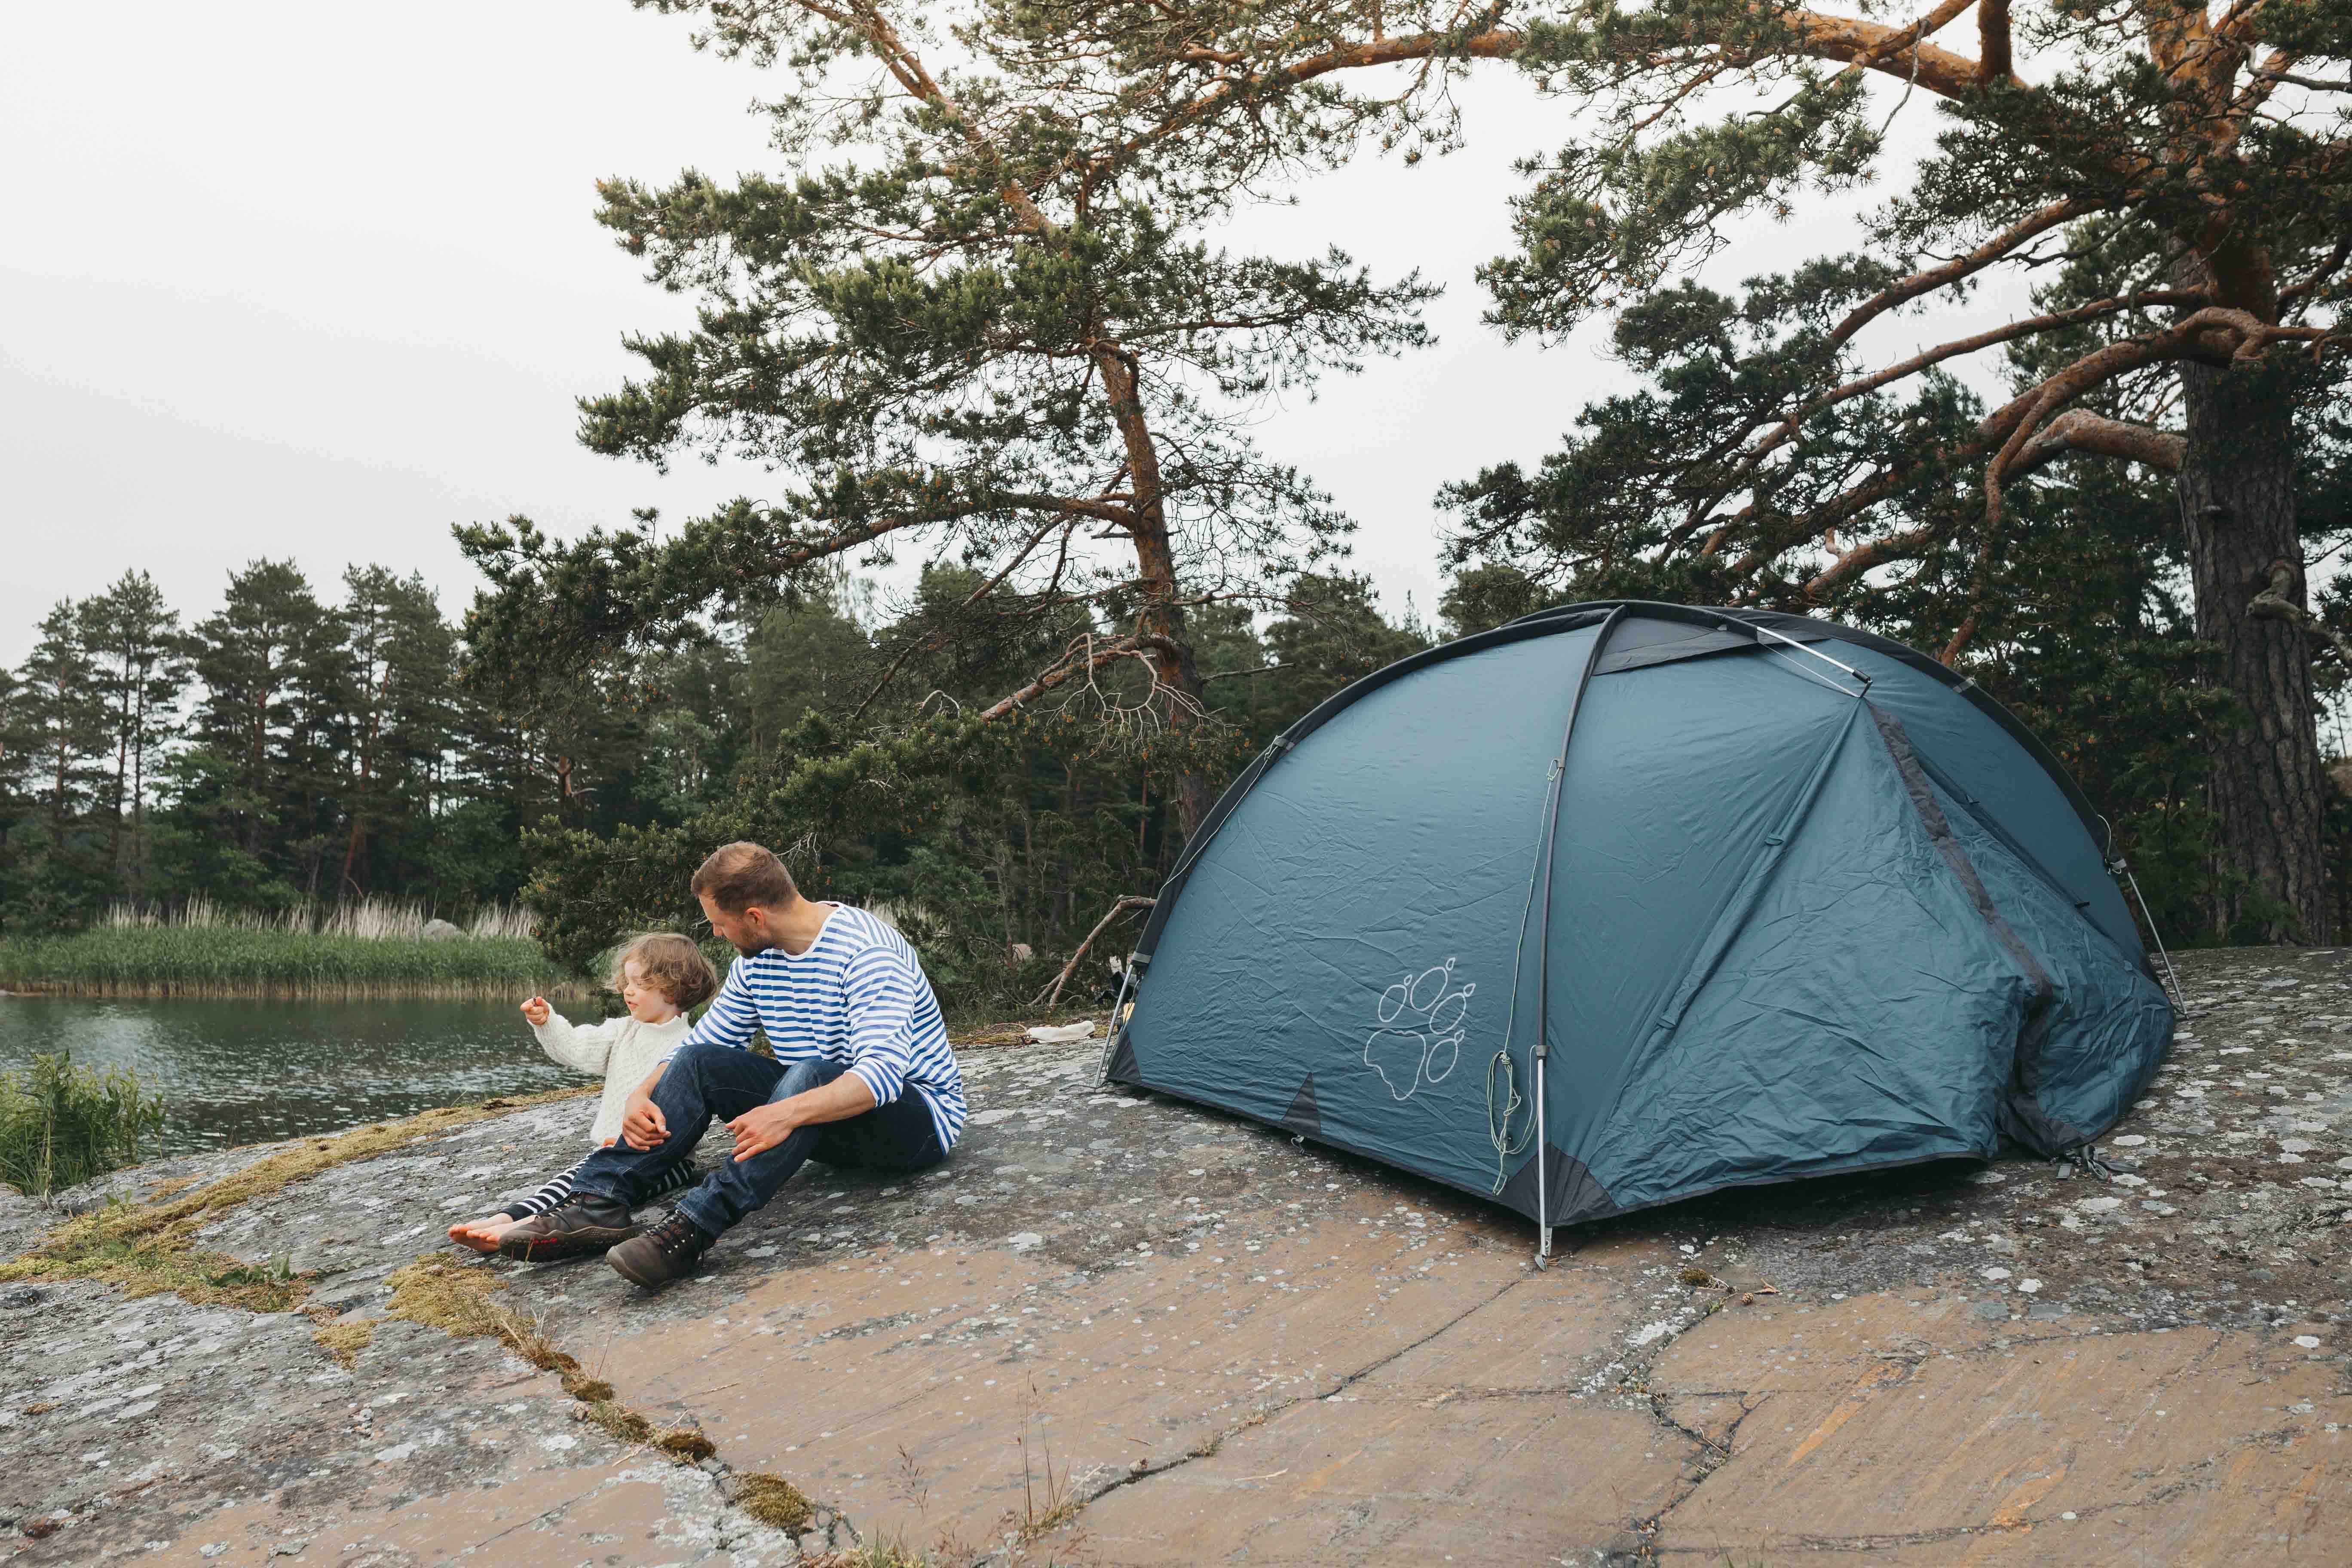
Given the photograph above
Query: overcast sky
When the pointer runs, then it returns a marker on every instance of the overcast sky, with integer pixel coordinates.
(321, 281)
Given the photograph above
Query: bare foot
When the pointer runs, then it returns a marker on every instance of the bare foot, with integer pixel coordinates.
(482, 1235)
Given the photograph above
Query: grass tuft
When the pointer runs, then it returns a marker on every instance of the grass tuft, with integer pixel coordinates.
(882, 1552)
(455, 1298)
(343, 1342)
(620, 1422)
(687, 1443)
(774, 1501)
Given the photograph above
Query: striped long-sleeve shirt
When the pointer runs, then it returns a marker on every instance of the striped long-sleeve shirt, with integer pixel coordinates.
(857, 995)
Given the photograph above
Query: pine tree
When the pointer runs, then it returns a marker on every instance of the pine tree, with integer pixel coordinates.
(140, 660)
(971, 318)
(59, 871)
(274, 702)
(399, 654)
(1793, 448)
(1334, 636)
(62, 720)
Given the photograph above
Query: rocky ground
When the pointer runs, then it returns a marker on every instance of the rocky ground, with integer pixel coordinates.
(1118, 1330)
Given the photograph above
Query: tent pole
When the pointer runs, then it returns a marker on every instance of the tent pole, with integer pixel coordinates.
(2118, 867)
(2180, 998)
(1543, 940)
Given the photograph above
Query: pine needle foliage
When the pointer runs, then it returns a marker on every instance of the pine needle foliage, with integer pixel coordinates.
(973, 314)
(2171, 181)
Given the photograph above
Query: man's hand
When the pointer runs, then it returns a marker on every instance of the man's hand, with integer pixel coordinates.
(641, 1126)
(537, 1012)
(764, 1127)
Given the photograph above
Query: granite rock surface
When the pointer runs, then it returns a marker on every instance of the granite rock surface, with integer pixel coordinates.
(1118, 1328)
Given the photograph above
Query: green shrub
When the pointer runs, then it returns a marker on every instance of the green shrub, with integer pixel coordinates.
(61, 1124)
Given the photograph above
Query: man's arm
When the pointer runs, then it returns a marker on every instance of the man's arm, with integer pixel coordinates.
(882, 986)
(765, 1126)
(641, 1126)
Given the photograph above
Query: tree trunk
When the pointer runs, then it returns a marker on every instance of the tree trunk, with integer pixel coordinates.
(114, 827)
(1155, 560)
(2237, 502)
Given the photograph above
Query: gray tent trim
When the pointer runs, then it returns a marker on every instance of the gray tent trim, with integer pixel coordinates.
(1281, 978)
(1302, 1117)
(1567, 1194)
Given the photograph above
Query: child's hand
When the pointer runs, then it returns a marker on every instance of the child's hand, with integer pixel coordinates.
(537, 1011)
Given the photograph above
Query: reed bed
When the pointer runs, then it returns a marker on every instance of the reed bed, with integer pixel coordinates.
(233, 960)
(370, 917)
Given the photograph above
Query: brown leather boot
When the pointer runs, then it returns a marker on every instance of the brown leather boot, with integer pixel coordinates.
(582, 1224)
(667, 1252)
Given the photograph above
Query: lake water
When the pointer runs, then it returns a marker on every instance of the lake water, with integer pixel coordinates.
(250, 1072)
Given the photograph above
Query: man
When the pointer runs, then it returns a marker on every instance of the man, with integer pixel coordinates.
(862, 1076)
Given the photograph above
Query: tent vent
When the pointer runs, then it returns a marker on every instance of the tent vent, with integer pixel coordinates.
(1575, 1196)
(1302, 1118)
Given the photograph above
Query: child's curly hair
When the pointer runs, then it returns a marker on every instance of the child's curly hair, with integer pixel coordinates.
(671, 962)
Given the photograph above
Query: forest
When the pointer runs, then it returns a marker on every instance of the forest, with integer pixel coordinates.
(980, 325)
(294, 751)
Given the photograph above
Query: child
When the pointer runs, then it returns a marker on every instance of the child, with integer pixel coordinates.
(659, 978)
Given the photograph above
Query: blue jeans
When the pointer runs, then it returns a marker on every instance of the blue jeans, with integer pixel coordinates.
(704, 1081)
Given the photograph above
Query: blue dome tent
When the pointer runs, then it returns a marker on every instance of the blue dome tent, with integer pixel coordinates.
(1627, 902)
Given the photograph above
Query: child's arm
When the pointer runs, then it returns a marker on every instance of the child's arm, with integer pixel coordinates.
(587, 1049)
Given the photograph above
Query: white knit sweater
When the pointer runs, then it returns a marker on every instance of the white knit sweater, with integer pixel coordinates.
(621, 1048)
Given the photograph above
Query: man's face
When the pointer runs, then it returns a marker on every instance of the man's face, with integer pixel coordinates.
(745, 931)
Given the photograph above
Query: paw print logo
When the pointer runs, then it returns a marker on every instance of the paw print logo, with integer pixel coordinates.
(1420, 1037)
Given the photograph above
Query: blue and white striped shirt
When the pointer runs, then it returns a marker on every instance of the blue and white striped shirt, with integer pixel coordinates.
(858, 997)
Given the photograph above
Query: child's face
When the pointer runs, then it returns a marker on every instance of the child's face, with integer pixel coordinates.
(648, 1003)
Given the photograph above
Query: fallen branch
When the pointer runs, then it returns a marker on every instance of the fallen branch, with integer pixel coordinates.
(1052, 994)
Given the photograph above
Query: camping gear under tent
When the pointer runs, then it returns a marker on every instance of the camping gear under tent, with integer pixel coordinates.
(1627, 902)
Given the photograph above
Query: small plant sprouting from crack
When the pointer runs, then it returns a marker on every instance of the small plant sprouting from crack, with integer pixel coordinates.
(911, 1485)
(1046, 1504)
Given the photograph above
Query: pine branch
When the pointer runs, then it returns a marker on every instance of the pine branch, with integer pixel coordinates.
(1093, 656)
(1992, 47)
(2080, 430)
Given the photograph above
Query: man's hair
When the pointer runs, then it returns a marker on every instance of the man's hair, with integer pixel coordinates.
(672, 964)
(741, 874)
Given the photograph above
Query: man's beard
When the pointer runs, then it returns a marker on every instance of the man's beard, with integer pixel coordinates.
(749, 950)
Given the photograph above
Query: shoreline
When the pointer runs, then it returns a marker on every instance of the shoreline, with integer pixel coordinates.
(385, 991)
